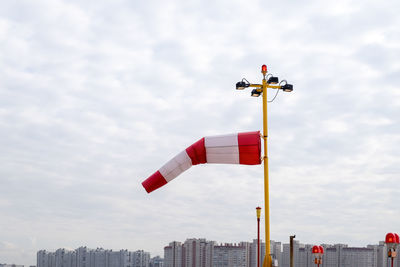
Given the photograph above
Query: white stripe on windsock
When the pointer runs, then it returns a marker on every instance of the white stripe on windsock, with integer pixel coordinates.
(222, 149)
(176, 166)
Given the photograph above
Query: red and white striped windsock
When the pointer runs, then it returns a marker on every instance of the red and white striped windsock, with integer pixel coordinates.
(239, 148)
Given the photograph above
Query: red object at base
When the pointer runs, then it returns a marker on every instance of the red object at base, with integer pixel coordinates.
(396, 238)
(390, 238)
(315, 249)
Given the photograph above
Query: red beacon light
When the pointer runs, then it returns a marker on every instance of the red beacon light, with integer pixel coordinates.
(390, 238)
(315, 249)
(396, 238)
(321, 249)
(264, 69)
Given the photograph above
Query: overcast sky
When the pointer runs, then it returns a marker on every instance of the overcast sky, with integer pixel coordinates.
(97, 95)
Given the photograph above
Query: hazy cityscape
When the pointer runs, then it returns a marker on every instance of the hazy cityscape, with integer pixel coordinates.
(199, 252)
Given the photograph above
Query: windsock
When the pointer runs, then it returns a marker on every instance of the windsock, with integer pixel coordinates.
(239, 148)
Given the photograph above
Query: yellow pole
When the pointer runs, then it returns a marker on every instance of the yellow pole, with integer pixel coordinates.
(267, 258)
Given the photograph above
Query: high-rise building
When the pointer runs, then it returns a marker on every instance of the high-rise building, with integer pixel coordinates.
(357, 257)
(173, 254)
(197, 253)
(305, 257)
(139, 258)
(232, 255)
(98, 257)
(83, 257)
(379, 254)
(253, 252)
(330, 257)
(192, 253)
(42, 258)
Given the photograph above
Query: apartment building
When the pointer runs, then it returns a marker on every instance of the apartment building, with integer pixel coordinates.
(85, 257)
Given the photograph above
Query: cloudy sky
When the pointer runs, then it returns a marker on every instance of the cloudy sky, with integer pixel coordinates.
(97, 95)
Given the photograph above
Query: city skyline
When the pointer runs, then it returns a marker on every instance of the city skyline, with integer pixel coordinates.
(96, 96)
(200, 252)
(278, 248)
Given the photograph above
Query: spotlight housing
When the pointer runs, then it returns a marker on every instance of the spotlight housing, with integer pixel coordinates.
(287, 87)
(273, 80)
(241, 85)
(255, 93)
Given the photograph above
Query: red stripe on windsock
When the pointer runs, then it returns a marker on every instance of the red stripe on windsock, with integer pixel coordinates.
(154, 181)
(249, 148)
(197, 152)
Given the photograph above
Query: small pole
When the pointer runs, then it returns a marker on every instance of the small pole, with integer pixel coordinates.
(291, 250)
(258, 210)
